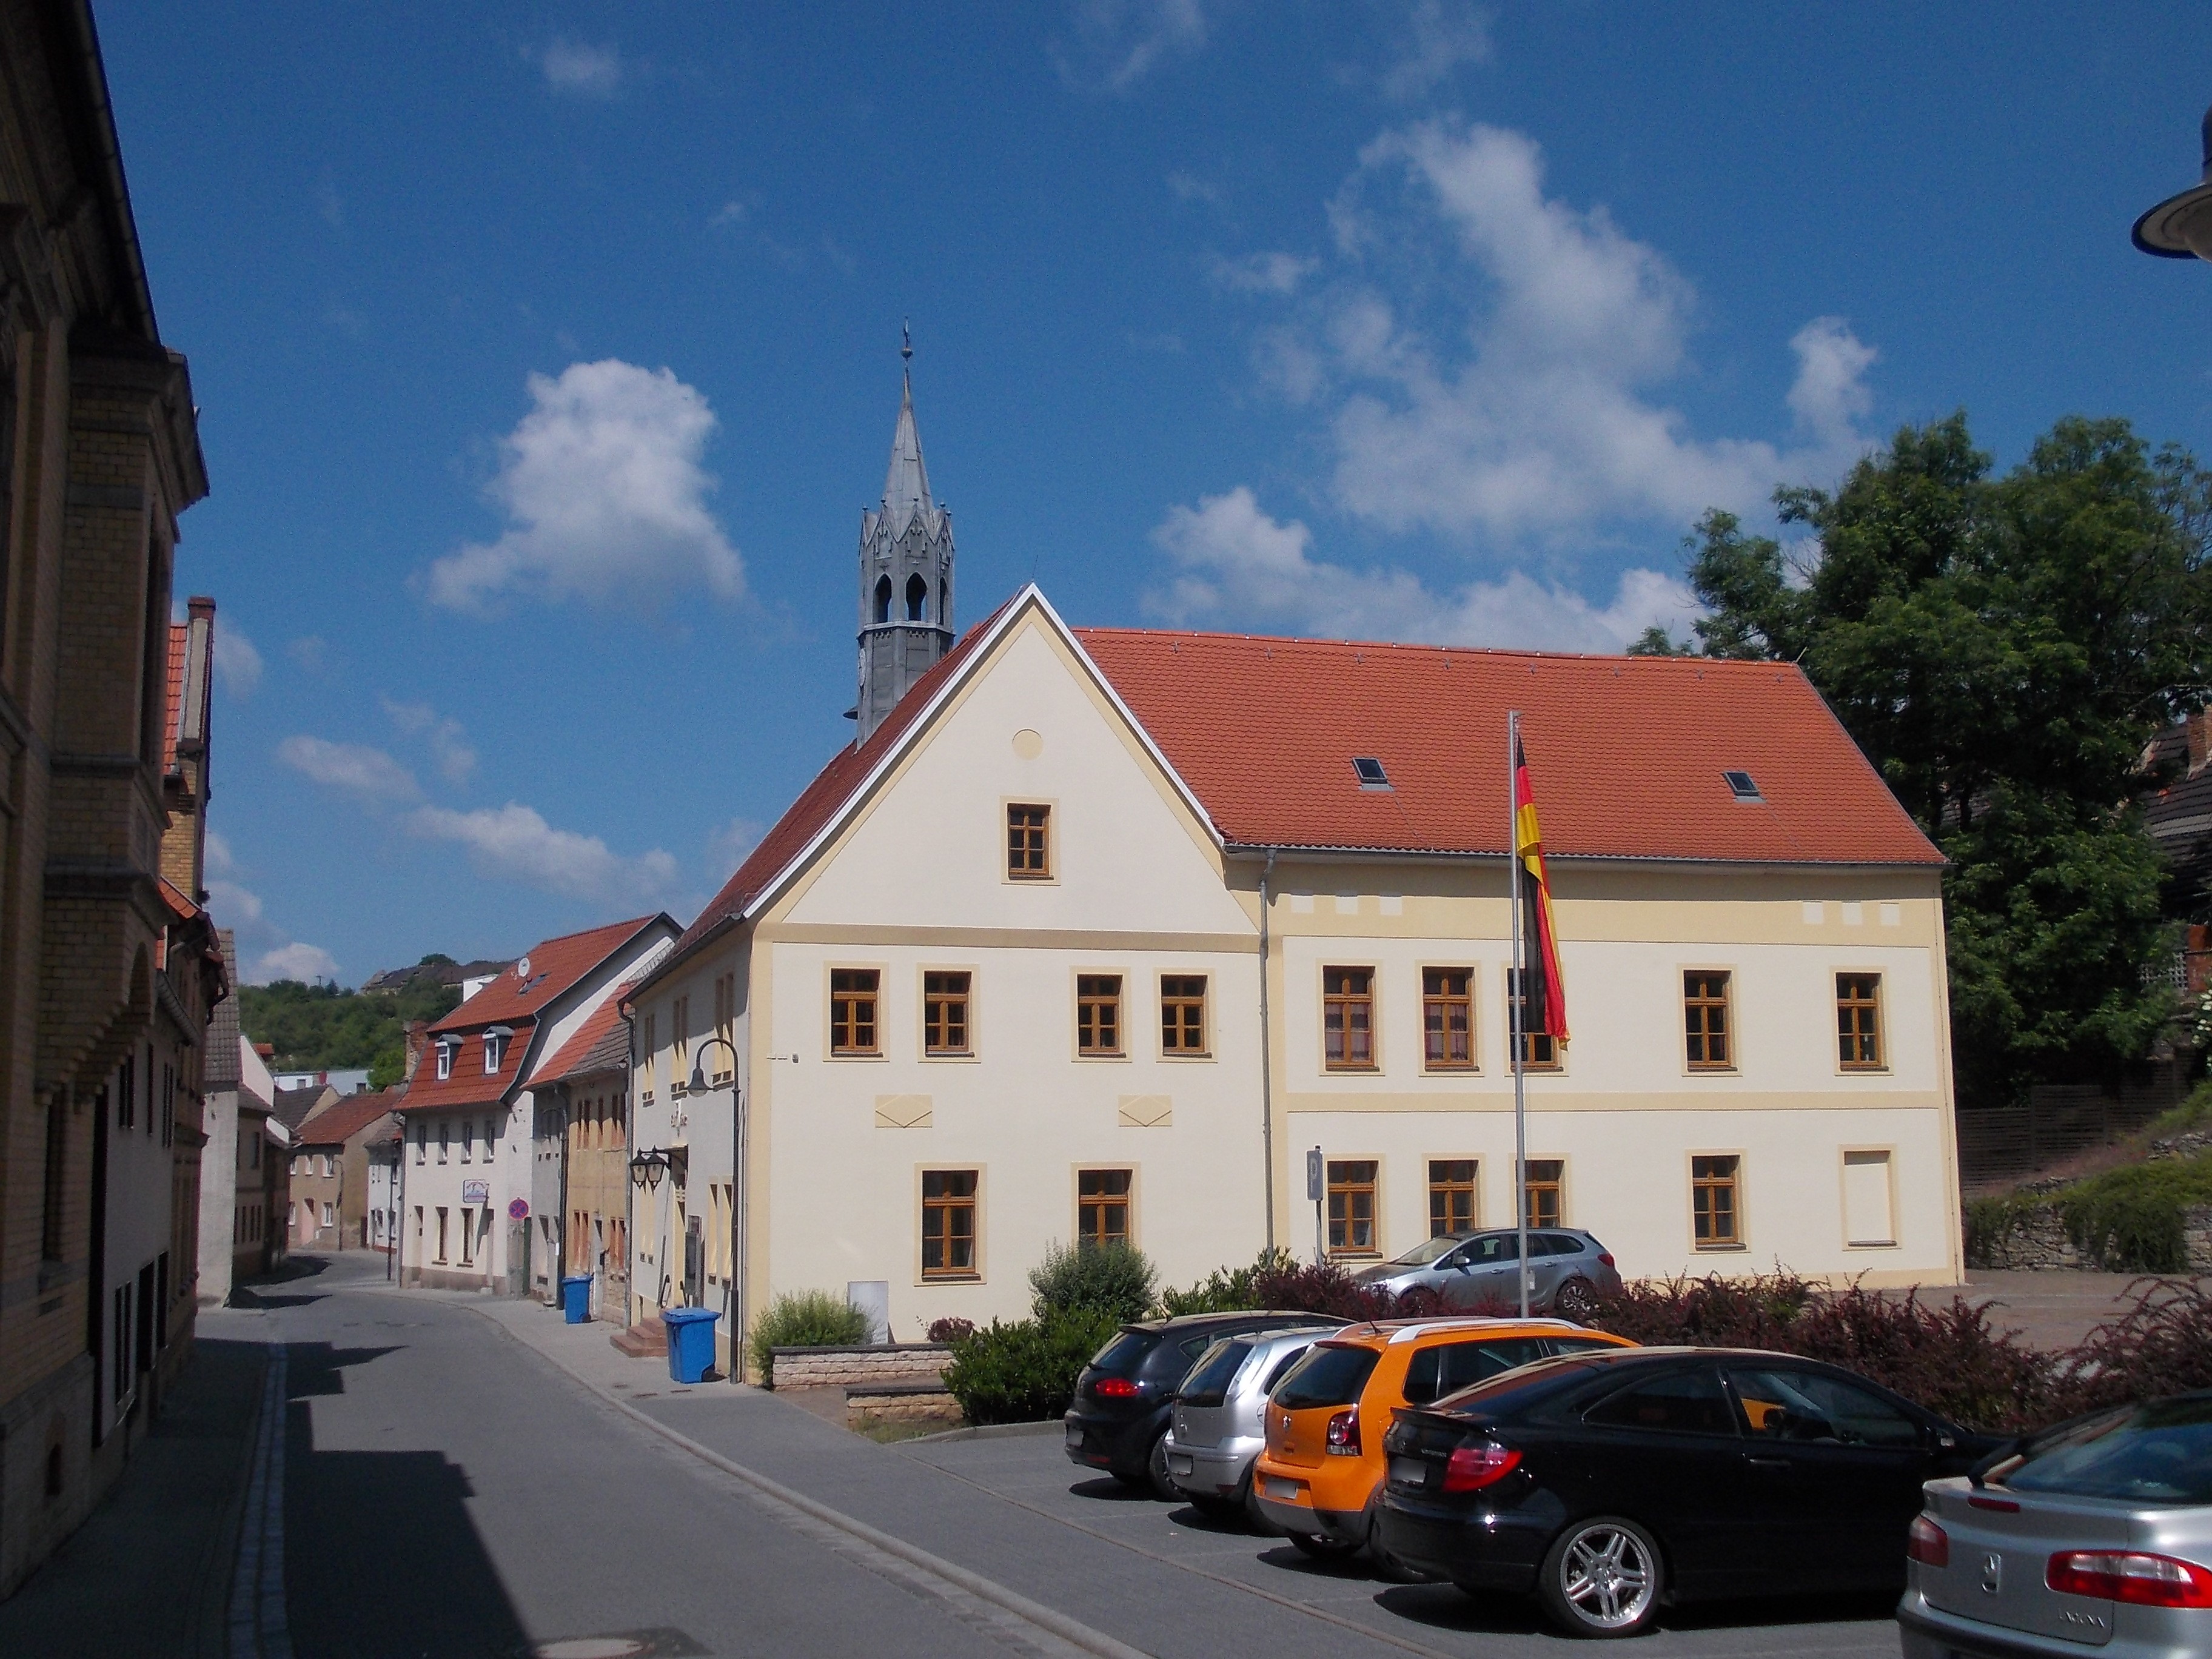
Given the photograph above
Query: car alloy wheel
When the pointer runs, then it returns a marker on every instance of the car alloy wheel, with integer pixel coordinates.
(1575, 1299)
(1602, 1578)
(1321, 1549)
(1155, 1468)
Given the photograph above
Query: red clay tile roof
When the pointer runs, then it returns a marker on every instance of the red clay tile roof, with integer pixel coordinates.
(470, 1084)
(832, 787)
(555, 965)
(600, 1044)
(175, 710)
(1626, 752)
(345, 1117)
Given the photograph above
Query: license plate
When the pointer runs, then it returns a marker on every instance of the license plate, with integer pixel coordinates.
(1179, 1465)
(1409, 1471)
(1075, 1437)
(1287, 1491)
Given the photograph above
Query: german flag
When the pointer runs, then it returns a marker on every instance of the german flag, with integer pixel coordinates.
(1544, 1010)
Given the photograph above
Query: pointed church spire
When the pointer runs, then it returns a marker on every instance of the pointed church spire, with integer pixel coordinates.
(906, 482)
(906, 572)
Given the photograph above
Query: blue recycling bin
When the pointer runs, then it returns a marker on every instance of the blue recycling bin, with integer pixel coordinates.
(691, 1342)
(576, 1299)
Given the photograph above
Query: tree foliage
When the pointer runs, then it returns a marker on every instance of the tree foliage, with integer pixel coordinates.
(2002, 648)
(322, 1027)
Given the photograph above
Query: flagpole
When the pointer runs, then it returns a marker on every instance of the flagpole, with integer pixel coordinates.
(1516, 1001)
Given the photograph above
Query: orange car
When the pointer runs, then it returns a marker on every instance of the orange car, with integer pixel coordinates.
(1323, 1467)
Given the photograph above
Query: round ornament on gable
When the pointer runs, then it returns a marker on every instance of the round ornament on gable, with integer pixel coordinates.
(1029, 745)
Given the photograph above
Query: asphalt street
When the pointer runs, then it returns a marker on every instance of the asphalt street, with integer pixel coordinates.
(445, 1475)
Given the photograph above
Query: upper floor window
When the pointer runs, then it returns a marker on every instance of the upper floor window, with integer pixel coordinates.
(1102, 1207)
(1098, 1014)
(446, 1058)
(1182, 1014)
(944, 1013)
(725, 1025)
(1448, 1019)
(468, 1139)
(1539, 1050)
(679, 1046)
(1351, 1207)
(649, 1053)
(1705, 1020)
(494, 1050)
(491, 1136)
(1716, 1209)
(1347, 1019)
(1858, 1022)
(853, 993)
(1029, 843)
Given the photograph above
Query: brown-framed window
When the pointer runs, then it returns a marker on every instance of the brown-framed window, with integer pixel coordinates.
(948, 1224)
(1102, 1207)
(1452, 1206)
(1705, 1019)
(1858, 1022)
(1539, 1050)
(1098, 1013)
(852, 994)
(1182, 1014)
(647, 1055)
(1352, 1206)
(1029, 843)
(1347, 1019)
(944, 1013)
(1546, 1191)
(1716, 1207)
(725, 1027)
(679, 1043)
(1448, 1019)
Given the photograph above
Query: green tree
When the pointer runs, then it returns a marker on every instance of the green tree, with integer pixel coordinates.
(2002, 648)
(319, 1027)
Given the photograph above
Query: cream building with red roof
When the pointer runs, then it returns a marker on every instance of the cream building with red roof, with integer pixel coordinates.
(467, 1221)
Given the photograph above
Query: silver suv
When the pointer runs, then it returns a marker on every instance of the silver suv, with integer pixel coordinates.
(1218, 1428)
(1480, 1271)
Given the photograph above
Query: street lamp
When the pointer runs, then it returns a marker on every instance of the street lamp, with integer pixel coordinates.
(646, 1169)
(738, 1253)
(2180, 226)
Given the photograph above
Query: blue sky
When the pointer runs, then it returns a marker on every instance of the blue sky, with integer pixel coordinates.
(548, 354)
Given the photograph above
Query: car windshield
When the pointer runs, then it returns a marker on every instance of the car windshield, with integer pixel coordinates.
(1327, 1376)
(1428, 1250)
(2157, 1453)
(1126, 1352)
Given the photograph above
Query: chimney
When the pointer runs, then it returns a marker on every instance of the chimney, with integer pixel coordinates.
(266, 1050)
(2198, 726)
(418, 1040)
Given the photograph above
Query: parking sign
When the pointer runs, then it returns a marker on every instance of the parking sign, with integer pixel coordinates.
(1314, 1183)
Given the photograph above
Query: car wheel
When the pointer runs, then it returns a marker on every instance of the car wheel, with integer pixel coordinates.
(1602, 1578)
(1576, 1299)
(1386, 1565)
(1156, 1472)
(1254, 1516)
(1322, 1549)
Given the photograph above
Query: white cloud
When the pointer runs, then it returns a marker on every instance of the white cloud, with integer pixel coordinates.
(1261, 273)
(1189, 187)
(300, 962)
(1122, 41)
(582, 71)
(1439, 37)
(731, 212)
(235, 907)
(1543, 424)
(310, 650)
(455, 758)
(217, 855)
(513, 842)
(237, 663)
(1236, 564)
(728, 845)
(354, 768)
(607, 501)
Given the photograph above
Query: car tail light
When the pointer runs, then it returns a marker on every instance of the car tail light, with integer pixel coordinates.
(2146, 1581)
(1473, 1467)
(1606, 1256)
(1113, 1388)
(1928, 1543)
(1344, 1434)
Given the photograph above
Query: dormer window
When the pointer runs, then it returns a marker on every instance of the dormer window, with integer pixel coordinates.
(496, 1048)
(446, 1046)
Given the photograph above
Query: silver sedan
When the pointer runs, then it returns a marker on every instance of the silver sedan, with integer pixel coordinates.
(2095, 1534)
(1217, 1429)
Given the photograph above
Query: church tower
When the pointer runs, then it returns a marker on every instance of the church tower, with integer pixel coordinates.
(906, 574)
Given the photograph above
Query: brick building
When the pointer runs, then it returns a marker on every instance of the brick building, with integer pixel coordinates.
(103, 969)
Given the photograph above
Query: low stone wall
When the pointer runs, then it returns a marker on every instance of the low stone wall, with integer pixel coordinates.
(2036, 1242)
(855, 1368)
(894, 1404)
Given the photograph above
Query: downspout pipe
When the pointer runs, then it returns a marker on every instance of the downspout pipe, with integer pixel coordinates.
(1266, 1051)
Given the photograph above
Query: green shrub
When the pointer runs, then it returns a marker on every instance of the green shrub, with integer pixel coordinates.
(1225, 1289)
(1025, 1372)
(805, 1319)
(1101, 1278)
(1987, 1220)
(2130, 1219)
(2194, 1113)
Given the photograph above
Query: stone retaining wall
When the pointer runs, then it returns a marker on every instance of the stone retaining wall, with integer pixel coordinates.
(854, 1368)
(862, 1408)
(2036, 1241)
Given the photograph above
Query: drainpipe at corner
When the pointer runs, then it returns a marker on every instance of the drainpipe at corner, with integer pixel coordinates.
(1267, 1046)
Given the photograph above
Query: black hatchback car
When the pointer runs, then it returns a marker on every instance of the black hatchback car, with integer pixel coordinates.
(1125, 1397)
(1613, 1483)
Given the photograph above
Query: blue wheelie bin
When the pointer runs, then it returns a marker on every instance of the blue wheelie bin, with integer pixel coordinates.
(576, 1299)
(691, 1342)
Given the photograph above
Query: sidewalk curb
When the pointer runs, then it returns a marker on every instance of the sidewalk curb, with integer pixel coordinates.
(987, 1431)
(1072, 1632)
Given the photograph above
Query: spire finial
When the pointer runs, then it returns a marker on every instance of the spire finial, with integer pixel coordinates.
(906, 340)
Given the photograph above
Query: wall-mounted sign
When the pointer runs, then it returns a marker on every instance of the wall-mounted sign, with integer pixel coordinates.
(517, 1209)
(475, 1192)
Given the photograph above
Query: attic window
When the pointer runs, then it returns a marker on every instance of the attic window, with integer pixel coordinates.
(448, 1047)
(1741, 786)
(1371, 774)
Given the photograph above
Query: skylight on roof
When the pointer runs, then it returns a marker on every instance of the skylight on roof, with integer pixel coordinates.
(1371, 774)
(1742, 786)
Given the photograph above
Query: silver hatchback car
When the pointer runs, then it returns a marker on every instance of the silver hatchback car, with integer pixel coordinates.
(1568, 1270)
(2096, 1534)
(1218, 1426)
